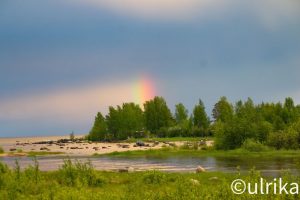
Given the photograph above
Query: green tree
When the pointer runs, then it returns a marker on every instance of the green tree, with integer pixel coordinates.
(181, 113)
(125, 121)
(157, 114)
(247, 123)
(99, 130)
(132, 119)
(222, 110)
(200, 118)
(289, 113)
(113, 121)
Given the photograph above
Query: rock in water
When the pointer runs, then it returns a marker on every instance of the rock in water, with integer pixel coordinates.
(200, 169)
(130, 169)
(126, 170)
(123, 170)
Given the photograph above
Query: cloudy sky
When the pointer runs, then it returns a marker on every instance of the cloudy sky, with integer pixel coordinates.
(61, 61)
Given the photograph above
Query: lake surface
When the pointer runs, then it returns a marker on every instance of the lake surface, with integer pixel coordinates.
(269, 166)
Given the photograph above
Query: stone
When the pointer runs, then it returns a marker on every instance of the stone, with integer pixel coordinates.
(123, 170)
(126, 170)
(200, 169)
(140, 143)
(44, 149)
(130, 169)
(202, 142)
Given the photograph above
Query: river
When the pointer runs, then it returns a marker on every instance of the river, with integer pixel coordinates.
(269, 166)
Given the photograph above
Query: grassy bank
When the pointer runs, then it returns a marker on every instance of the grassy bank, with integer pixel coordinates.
(177, 151)
(29, 154)
(81, 181)
(42, 153)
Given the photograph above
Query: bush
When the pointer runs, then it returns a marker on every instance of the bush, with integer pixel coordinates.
(162, 132)
(141, 134)
(287, 139)
(73, 174)
(199, 132)
(176, 131)
(154, 177)
(253, 146)
(1, 150)
(19, 151)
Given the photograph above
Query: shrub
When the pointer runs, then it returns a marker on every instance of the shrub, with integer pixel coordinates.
(175, 131)
(33, 171)
(198, 132)
(185, 145)
(1, 150)
(19, 151)
(73, 174)
(287, 139)
(154, 177)
(3, 170)
(253, 146)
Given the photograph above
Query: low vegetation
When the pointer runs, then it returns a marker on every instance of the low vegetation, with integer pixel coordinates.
(80, 181)
(192, 151)
(169, 139)
(42, 153)
(1, 150)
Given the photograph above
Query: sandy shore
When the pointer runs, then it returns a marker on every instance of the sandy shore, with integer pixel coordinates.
(25, 144)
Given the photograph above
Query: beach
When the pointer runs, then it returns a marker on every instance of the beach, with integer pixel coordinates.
(23, 145)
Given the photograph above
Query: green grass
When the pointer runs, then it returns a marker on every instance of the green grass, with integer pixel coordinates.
(34, 153)
(171, 139)
(170, 151)
(42, 153)
(81, 181)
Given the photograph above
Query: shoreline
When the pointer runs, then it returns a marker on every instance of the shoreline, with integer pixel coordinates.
(43, 145)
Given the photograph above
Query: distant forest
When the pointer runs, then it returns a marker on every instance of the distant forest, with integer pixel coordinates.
(275, 125)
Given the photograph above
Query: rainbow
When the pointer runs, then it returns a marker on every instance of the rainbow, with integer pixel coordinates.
(143, 90)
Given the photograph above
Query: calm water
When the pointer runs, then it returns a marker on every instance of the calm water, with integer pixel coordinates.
(272, 166)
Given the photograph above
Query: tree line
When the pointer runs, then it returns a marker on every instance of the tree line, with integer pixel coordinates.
(129, 120)
(271, 124)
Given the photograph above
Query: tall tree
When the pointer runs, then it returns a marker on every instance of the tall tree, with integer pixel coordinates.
(157, 114)
(113, 121)
(181, 113)
(132, 119)
(200, 117)
(223, 110)
(289, 113)
(99, 130)
(124, 121)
